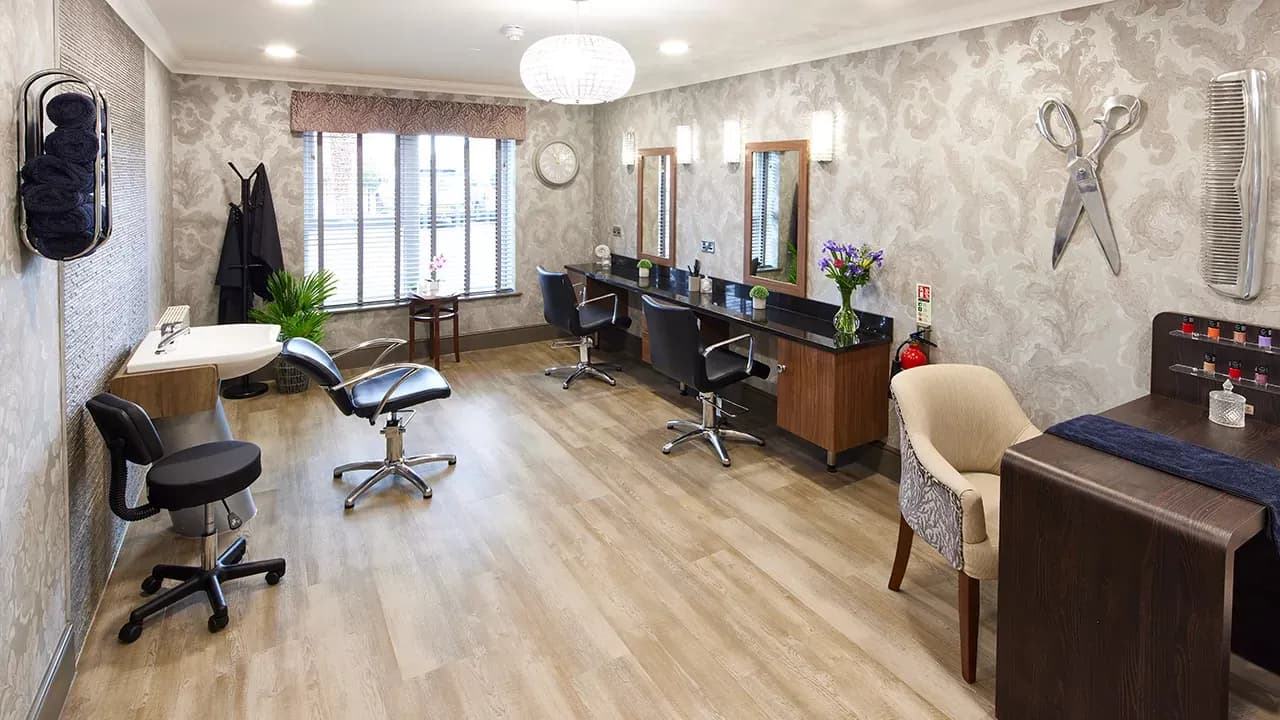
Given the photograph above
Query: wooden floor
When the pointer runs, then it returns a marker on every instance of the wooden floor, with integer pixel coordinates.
(564, 569)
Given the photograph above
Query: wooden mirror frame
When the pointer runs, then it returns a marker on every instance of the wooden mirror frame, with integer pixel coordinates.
(800, 288)
(670, 153)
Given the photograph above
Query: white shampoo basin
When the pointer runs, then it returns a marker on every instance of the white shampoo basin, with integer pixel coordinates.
(236, 349)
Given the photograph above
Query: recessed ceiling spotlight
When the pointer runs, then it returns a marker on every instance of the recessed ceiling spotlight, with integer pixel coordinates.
(514, 33)
(281, 52)
(674, 47)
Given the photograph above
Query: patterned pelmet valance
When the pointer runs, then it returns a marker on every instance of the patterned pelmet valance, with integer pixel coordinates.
(332, 112)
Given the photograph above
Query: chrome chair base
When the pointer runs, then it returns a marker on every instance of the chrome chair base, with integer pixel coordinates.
(584, 368)
(710, 429)
(394, 465)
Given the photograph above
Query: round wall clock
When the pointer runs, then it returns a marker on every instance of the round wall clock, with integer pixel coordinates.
(556, 163)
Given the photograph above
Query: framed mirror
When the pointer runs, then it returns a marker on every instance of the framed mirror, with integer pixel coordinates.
(656, 205)
(776, 225)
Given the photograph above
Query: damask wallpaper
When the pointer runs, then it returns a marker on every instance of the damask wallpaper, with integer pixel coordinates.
(938, 161)
(33, 493)
(216, 120)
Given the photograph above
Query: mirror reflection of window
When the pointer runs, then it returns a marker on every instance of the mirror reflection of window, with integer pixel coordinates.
(657, 215)
(774, 215)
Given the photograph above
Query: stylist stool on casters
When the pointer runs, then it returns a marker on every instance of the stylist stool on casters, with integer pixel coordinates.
(675, 347)
(582, 320)
(202, 475)
(391, 390)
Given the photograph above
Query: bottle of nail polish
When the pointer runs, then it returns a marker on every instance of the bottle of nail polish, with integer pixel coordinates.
(1264, 337)
(1235, 369)
(1188, 324)
(1262, 375)
(1214, 329)
(1240, 333)
(1210, 363)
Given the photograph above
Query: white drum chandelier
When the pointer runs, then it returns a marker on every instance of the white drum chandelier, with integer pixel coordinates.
(577, 69)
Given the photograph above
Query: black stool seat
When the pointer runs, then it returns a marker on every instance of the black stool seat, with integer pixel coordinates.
(203, 474)
(425, 384)
(597, 316)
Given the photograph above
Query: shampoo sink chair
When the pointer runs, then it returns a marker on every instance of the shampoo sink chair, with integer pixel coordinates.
(391, 390)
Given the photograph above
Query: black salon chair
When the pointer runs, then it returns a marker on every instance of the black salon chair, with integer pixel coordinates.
(204, 475)
(580, 318)
(392, 390)
(675, 350)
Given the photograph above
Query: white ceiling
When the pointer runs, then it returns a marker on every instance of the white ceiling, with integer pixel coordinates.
(455, 45)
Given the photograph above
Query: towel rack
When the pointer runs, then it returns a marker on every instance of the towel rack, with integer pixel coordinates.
(31, 125)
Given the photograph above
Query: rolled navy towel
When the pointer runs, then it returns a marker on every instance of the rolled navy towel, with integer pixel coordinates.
(51, 170)
(61, 247)
(71, 110)
(70, 222)
(37, 198)
(77, 145)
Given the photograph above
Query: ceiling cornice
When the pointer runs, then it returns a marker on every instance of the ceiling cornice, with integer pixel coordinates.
(322, 77)
(138, 16)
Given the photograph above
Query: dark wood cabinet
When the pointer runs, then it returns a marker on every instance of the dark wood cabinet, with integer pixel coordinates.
(834, 400)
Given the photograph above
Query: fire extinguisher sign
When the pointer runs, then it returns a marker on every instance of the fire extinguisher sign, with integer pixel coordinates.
(924, 305)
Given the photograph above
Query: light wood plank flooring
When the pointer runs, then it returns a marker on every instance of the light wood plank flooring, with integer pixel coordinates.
(564, 569)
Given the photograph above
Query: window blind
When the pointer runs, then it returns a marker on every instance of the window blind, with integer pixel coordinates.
(378, 206)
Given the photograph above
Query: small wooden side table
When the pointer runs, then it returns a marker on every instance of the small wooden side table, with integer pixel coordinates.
(433, 310)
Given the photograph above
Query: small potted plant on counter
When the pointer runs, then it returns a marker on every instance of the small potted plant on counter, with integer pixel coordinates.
(643, 268)
(297, 306)
(759, 296)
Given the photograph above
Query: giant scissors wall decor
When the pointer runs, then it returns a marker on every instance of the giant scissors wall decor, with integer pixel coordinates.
(1119, 114)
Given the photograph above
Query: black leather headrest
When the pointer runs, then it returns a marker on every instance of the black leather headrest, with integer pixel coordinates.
(122, 421)
(311, 359)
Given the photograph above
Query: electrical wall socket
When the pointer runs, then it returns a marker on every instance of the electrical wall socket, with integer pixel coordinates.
(709, 247)
(616, 232)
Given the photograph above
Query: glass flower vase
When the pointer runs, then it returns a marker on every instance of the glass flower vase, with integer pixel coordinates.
(846, 319)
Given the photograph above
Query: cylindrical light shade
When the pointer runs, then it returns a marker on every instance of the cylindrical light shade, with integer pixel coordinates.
(577, 69)
(822, 141)
(629, 148)
(732, 142)
(684, 144)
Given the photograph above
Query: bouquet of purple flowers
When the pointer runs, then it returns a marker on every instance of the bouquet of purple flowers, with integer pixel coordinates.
(848, 265)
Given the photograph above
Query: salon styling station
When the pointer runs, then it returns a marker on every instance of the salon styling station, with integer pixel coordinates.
(1124, 590)
(174, 375)
(832, 389)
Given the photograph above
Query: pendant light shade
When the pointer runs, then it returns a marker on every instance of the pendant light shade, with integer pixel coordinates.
(577, 69)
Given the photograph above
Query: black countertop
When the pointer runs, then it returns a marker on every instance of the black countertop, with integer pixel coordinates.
(794, 318)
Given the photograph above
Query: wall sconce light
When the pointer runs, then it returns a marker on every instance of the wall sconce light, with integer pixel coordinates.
(822, 140)
(684, 144)
(732, 142)
(629, 148)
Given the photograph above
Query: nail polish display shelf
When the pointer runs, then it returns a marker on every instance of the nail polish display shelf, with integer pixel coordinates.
(1268, 349)
(1223, 377)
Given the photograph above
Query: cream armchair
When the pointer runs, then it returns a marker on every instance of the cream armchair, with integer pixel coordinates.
(956, 423)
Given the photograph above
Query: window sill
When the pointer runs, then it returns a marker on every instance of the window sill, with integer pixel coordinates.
(406, 302)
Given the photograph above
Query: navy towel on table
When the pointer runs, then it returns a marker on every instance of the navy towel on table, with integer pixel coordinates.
(77, 145)
(50, 170)
(71, 110)
(1228, 473)
(37, 198)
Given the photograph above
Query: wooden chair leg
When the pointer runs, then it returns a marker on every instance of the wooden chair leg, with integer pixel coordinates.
(905, 536)
(457, 356)
(435, 339)
(970, 603)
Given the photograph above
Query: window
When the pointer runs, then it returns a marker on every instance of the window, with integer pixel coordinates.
(378, 206)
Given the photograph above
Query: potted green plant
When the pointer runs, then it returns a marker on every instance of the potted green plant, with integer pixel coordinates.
(644, 266)
(759, 296)
(297, 306)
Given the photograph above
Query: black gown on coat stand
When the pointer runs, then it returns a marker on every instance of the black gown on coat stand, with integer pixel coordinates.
(264, 251)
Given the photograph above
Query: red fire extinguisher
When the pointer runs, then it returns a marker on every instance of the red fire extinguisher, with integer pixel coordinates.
(910, 354)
